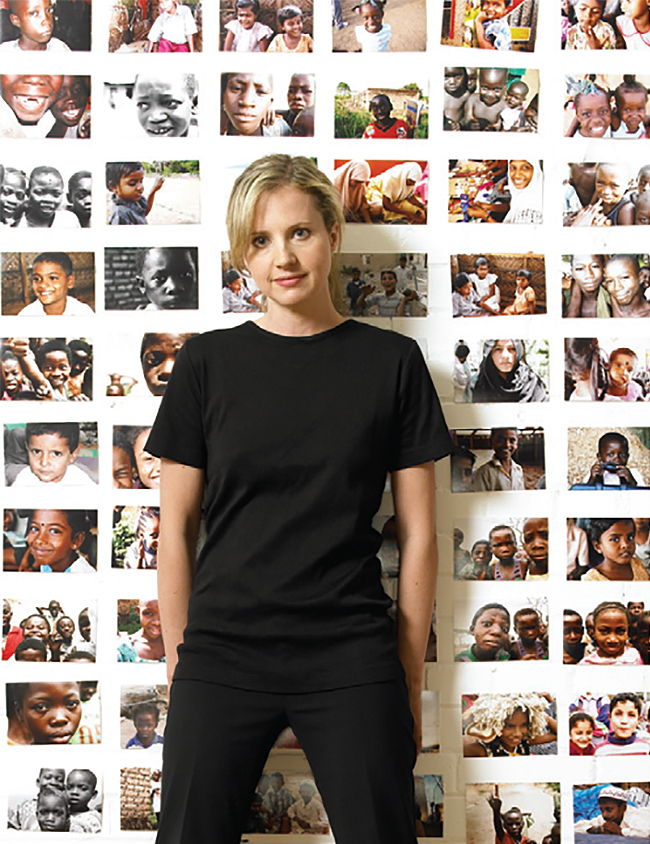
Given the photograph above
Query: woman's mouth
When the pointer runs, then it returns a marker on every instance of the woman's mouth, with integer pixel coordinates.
(289, 281)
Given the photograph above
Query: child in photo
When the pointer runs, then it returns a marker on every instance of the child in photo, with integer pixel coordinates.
(513, 116)
(158, 352)
(147, 466)
(45, 195)
(237, 299)
(247, 100)
(479, 568)
(491, 30)
(291, 38)
(25, 104)
(501, 472)
(52, 278)
(125, 181)
(611, 628)
(623, 738)
(610, 468)
(587, 297)
(457, 94)
(167, 276)
(54, 539)
(80, 790)
(634, 24)
(572, 638)
(13, 196)
(373, 35)
(146, 643)
(52, 450)
(525, 301)
(394, 195)
(465, 300)
(581, 731)
(613, 540)
(500, 725)
(142, 552)
(593, 112)
(30, 650)
(630, 119)
(165, 103)
(621, 369)
(35, 20)
(145, 718)
(507, 565)
(490, 627)
(611, 205)
(124, 467)
(485, 284)
(640, 636)
(525, 184)
(529, 643)
(51, 712)
(246, 34)
(590, 32)
(79, 196)
(71, 109)
(389, 303)
(23, 816)
(483, 109)
(52, 810)
(623, 283)
(173, 30)
(65, 629)
(535, 542)
(49, 370)
(303, 125)
(642, 211)
(383, 125)
(300, 97)
(509, 826)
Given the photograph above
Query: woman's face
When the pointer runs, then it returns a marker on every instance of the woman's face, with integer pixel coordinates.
(521, 173)
(504, 356)
(515, 730)
(150, 619)
(247, 100)
(587, 270)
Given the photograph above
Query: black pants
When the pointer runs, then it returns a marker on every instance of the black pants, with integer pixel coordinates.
(358, 742)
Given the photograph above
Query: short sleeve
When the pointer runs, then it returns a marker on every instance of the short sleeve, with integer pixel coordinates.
(177, 432)
(190, 24)
(421, 430)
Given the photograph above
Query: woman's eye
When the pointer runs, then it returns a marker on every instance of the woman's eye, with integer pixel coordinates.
(301, 233)
(259, 242)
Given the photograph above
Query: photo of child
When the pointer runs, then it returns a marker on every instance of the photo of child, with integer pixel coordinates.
(503, 371)
(37, 106)
(606, 636)
(39, 369)
(506, 100)
(586, 292)
(173, 29)
(606, 194)
(247, 106)
(492, 464)
(245, 33)
(39, 200)
(495, 191)
(47, 713)
(515, 550)
(593, 373)
(392, 276)
(606, 549)
(37, 637)
(51, 453)
(612, 450)
(143, 709)
(135, 537)
(155, 104)
(240, 294)
(165, 26)
(394, 192)
(140, 793)
(606, 106)
(379, 27)
(490, 24)
(139, 634)
(56, 283)
(513, 724)
(611, 725)
(34, 21)
(484, 635)
(513, 813)
(133, 467)
(493, 285)
(157, 278)
(583, 27)
(614, 809)
(429, 805)
(127, 204)
(71, 803)
(368, 109)
(143, 365)
(291, 37)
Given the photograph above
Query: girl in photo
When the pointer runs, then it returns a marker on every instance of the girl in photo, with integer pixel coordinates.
(525, 183)
(246, 34)
(507, 724)
(504, 375)
(351, 181)
(392, 198)
(611, 630)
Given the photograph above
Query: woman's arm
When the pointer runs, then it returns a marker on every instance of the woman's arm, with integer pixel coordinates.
(181, 494)
(414, 499)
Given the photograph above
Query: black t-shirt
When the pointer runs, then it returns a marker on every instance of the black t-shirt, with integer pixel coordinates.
(295, 435)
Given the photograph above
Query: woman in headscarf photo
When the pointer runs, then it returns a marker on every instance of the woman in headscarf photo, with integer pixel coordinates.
(504, 375)
(392, 198)
(351, 180)
(525, 183)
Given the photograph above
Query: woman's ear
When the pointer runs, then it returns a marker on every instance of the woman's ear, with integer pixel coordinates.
(335, 233)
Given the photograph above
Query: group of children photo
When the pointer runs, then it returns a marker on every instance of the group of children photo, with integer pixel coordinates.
(373, 285)
(247, 105)
(42, 106)
(605, 24)
(592, 373)
(609, 725)
(160, 26)
(484, 460)
(392, 192)
(259, 26)
(514, 550)
(496, 191)
(45, 369)
(605, 286)
(491, 99)
(607, 194)
(606, 106)
(610, 634)
(69, 802)
(133, 466)
(498, 285)
(486, 636)
(513, 812)
(48, 633)
(44, 199)
(490, 24)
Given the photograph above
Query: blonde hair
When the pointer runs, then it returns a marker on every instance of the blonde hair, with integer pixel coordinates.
(491, 711)
(270, 174)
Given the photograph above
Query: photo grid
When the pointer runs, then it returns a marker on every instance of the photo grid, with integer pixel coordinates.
(131, 117)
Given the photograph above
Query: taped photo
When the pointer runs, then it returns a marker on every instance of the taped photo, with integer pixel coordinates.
(503, 100)
(42, 369)
(605, 634)
(606, 194)
(513, 548)
(260, 26)
(47, 540)
(150, 26)
(40, 25)
(372, 28)
(45, 197)
(484, 459)
(608, 724)
(633, 534)
(39, 106)
(133, 466)
(490, 24)
(498, 285)
(608, 459)
(46, 630)
(154, 104)
(56, 799)
(40, 454)
(525, 812)
(490, 632)
(496, 191)
(144, 364)
(394, 192)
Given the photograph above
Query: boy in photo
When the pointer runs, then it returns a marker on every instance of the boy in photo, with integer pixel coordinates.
(25, 104)
(500, 472)
(52, 811)
(80, 789)
(624, 718)
(145, 719)
(79, 196)
(45, 193)
(167, 276)
(52, 278)
(158, 355)
(483, 109)
(35, 20)
(13, 196)
(125, 181)
(69, 109)
(491, 29)
(165, 103)
(610, 468)
(52, 450)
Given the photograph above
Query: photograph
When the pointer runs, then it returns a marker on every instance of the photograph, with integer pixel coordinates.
(48, 197)
(498, 285)
(429, 805)
(609, 724)
(611, 633)
(606, 285)
(42, 369)
(368, 109)
(512, 548)
(605, 25)
(606, 194)
(384, 284)
(606, 369)
(490, 24)
(394, 192)
(48, 283)
(260, 26)
(42, 25)
(37, 106)
(495, 191)
(252, 106)
(521, 812)
(132, 187)
(154, 278)
(240, 294)
(504, 99)
(55, 800)
(135, 537)
(50, 632)
(501, 371)
(139, 633)
(287, 802)
(143, 713)
(614, 810)
(43, 453)
(133, 467)
(140, 792)
(158, 26)
(483, 459)
(598, 458)
(60, 713)
(509, 724)
(159, 103)
(606, 105)
(607, 547)
(45, 540)
(493, 632)
(371, 27)
(144, 364)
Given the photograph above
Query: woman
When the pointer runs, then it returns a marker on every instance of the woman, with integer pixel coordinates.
(351, 180)
(504, 375)
(285, 619)
(391, 195)
(525, 183)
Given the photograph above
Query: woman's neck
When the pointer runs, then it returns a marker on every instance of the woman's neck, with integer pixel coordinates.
(295, 323)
